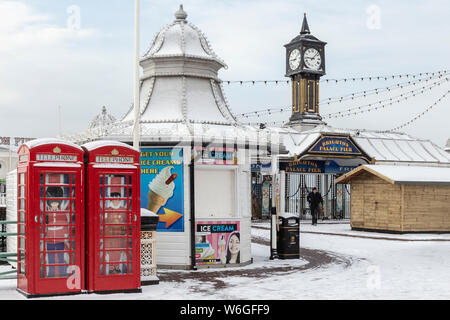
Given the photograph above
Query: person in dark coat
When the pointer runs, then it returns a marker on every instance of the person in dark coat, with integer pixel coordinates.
(314, 199)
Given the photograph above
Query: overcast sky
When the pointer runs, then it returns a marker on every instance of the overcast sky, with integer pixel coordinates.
(78, 54)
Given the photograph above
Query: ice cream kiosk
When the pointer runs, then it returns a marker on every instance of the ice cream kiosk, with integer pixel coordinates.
(113, 217)
(50, 218)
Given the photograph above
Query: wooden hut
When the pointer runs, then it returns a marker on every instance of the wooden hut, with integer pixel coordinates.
(399, 199)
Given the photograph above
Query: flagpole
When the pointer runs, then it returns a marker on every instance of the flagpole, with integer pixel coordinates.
(136, 127)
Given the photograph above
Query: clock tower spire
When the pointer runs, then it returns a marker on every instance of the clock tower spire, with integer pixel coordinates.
(305, 64)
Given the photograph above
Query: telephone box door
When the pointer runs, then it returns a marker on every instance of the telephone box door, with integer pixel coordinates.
(117, 234)
(59, 230)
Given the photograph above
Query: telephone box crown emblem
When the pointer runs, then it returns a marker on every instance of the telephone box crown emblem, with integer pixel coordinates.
(114, 152)
(56, 150)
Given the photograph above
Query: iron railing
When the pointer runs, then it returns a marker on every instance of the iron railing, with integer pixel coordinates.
(6, 257)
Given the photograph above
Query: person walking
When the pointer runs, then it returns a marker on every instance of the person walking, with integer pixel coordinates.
(314, 199)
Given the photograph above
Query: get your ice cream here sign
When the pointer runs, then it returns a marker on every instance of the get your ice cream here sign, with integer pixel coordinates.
(162, 186)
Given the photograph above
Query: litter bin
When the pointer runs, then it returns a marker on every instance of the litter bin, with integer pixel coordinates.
(149, 221)
(288, 237)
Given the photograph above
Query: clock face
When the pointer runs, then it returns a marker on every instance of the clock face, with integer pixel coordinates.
(294, 59)
(312, 59)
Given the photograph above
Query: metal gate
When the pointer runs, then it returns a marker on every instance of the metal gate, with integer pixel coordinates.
(336, 197)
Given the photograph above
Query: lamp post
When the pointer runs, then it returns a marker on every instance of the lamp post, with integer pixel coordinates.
(136, 127)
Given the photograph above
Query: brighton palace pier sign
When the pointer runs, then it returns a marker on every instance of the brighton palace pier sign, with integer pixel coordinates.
(335, 145)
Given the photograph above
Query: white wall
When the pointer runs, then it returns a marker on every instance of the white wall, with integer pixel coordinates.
(174, 248)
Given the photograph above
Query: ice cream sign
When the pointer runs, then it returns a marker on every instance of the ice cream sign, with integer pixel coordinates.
(162, 186)
(217, 242)
(215, 155)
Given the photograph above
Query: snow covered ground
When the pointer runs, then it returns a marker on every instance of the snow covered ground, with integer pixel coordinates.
(375, 269)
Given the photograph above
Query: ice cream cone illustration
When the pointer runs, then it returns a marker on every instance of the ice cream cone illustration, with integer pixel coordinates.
(208, 254)
(222, 243)
(161, 189)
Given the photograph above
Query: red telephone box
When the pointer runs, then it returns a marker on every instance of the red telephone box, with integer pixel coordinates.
(113, 217)
(50, 218)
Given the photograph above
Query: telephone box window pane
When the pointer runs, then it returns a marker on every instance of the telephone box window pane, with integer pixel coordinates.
(22, 229)
(21, 243)
(101, 269)
(56, 178)
(57, 219)
(21, 191)
(22, 204)
(54, 192)
(73, 192)
(73, 181)
(129, 180)
(41, 192)
(115, 268)
(101, 179)
(22, 216)
(115, 217)
(101, 192)
(116, 192)
(73, 205)
(130, 192)
(115, 243)
(115, 230)
(66, 192)
(72, 258)
(101, 204)
(115, 256)
(41, 178)
(22, 178)
(56, 271)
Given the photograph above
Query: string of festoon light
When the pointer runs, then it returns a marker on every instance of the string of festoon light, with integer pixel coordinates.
(340, 80)
(361, 109)
(376, 91)
(385, 102)
(417, 117)
(264, 124)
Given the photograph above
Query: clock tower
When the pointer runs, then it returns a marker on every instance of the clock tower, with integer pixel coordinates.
(305, 64)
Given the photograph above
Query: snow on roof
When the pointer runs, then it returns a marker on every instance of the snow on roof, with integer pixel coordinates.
(114, 166)
(398, 174)
(41, 141)
(383, 146)
(181, 38)
(58, 164)
(105, 143)
(186, 93)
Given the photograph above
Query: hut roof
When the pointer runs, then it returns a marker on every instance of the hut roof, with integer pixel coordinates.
(402, 174)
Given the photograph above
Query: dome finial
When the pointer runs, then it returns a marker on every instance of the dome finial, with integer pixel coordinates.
(180, 14)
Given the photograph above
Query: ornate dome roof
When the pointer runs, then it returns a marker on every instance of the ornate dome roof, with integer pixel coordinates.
(101, 120)
(181, 38)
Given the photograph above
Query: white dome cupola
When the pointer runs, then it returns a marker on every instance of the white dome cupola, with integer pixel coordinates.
(180, 81)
